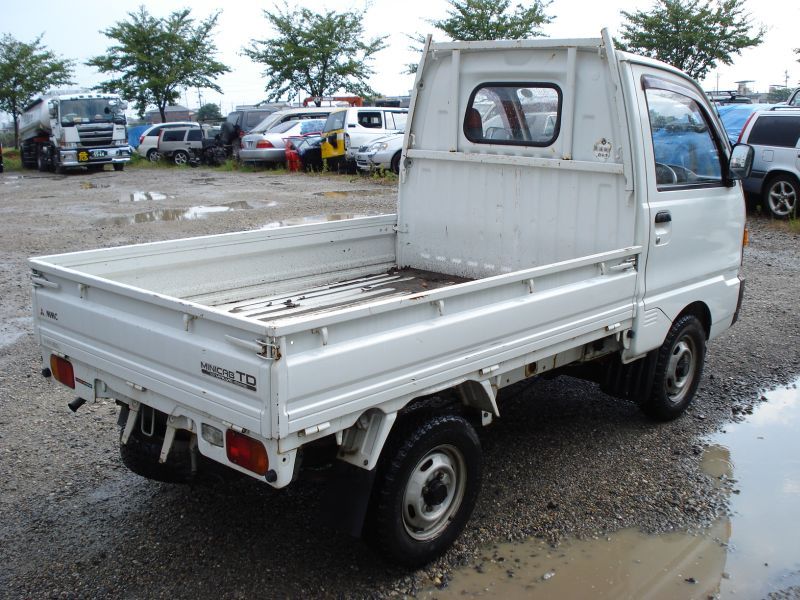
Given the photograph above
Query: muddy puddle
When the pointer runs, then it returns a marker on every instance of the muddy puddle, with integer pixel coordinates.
(313, 219)
(175, 214)
(752, 553)
(140, 196)
(355, 193)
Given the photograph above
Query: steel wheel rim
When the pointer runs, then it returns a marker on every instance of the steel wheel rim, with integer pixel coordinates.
(442, 471)
(681, 369)
(782, 198)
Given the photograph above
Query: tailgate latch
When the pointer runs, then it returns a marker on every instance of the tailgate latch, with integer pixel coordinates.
(265, 349)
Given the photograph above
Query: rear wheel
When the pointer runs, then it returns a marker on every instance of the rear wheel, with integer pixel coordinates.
(780, 196)
(678, 369)
(180, 158)
(425, 490)
(153, 155)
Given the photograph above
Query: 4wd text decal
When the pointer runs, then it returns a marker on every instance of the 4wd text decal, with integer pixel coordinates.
(235, 377)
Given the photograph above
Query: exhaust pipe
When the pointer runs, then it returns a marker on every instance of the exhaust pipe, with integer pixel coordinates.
(76, 404)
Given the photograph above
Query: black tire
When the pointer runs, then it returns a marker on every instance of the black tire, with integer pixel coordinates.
(180, 158)
(426, 486)
(396, 163)
(119, 166)
(678, 369)
(142, 452)
(41, 161)
(780, 196)
(153, 155)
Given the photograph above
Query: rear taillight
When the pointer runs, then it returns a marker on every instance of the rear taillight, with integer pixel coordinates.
(62, 370)
(264, 144)
(141, 139)
(246, 452)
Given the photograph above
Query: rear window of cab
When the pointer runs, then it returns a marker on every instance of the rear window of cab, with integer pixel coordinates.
(515, 114)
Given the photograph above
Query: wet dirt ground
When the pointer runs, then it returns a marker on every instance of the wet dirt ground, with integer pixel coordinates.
(564, 465)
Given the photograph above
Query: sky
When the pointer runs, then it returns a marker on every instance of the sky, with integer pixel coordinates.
(72, 30)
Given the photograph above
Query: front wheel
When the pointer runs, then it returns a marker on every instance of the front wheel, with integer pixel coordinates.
(119, 166)
(396, 163)
(425, 490)
(678, 369)
(780, 196)
(180, 158)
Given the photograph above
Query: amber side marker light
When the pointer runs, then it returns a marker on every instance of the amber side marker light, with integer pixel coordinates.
(746, 237)
(62, 370)
(246, 452)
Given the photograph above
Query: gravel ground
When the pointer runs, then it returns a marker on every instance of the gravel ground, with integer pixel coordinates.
(564, 459)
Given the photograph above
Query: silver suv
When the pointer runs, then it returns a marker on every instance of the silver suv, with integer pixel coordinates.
(774, 134)
(179, 144)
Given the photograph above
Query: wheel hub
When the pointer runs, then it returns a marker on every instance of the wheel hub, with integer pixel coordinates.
(433, 492)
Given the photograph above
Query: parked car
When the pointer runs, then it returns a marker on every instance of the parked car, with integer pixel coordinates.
(310, 152)
(238, 124)
(347, 129)
(734, 116)
(382, 154)
(179, 144)
(148, 141)
(774, 134)
(270, 146)
(292, 114)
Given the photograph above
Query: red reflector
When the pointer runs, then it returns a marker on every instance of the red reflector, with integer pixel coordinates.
(264, 144)
(62, 370)
(246, 452)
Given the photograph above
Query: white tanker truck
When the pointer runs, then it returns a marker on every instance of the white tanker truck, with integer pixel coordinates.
(74, 130)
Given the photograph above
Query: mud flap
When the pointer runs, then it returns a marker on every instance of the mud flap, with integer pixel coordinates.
(345, 499)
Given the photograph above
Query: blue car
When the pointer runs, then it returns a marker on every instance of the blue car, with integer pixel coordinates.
(734, 116)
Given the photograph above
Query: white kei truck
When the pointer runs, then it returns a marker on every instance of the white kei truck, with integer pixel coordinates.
(563, 207)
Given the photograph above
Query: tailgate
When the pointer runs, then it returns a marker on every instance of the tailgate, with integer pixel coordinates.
(125, 342)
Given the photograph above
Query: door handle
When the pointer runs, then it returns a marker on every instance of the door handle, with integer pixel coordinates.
(663, 216)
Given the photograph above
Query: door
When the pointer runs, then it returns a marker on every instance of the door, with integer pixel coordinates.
(696, 217)
(332, 147)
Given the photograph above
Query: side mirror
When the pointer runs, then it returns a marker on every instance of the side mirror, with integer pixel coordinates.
(741, 162)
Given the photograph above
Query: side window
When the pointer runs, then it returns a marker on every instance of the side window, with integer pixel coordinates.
(396, 120)
(173, 135)
(684, 146)
(774, 130)
(195, 135)
(335, 121)
(371, 120)
(521, 114)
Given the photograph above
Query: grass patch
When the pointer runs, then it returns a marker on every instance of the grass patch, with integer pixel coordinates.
(11, 159)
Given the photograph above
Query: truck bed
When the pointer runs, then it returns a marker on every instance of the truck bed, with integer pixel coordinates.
(341, 294)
